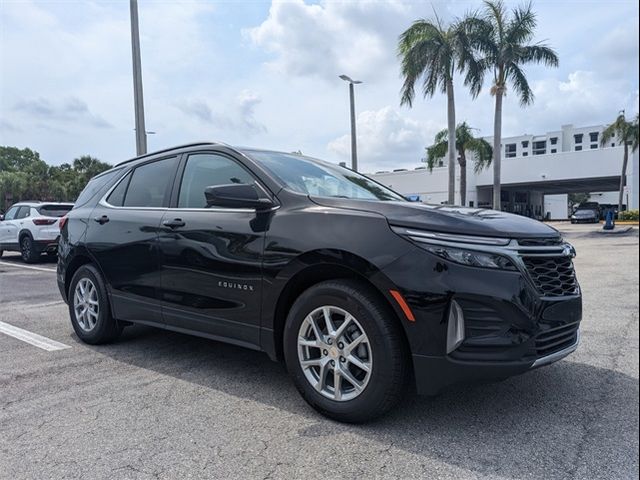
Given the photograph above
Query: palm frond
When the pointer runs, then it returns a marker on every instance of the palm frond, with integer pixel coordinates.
(539, 53)
(436, 152)
(520, 84)
(521, 27)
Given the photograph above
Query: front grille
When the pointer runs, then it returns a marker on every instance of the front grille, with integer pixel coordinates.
(540, 242)
(556, 339)
(552, 276)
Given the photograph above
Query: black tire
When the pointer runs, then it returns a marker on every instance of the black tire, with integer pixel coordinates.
(28, 251)
(390, 365)
(106, 328)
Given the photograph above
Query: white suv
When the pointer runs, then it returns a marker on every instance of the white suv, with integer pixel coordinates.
(32, 228)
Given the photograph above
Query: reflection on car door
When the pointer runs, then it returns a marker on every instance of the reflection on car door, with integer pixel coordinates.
(123, 237)
(211, 257)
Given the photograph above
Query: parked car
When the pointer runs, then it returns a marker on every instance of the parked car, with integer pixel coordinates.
(585, 215)
(358, 290)
(31, 228)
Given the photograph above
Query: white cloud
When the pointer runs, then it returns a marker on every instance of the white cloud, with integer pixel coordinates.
(386, 139)
(70, 112)
(330, 38)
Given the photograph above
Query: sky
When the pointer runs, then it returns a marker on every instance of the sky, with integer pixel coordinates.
(265, 74)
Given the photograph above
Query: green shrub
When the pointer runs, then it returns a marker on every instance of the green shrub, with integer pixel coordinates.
(628, 215)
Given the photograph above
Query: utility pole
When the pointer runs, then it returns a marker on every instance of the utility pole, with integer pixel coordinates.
(354, 145)
(138, 100)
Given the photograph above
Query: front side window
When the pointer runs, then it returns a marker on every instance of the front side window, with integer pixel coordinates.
(208, 170)
(322, 179)
(11, 213)
(149, 184)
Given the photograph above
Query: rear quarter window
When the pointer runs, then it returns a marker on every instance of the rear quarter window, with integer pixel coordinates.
(95, 185)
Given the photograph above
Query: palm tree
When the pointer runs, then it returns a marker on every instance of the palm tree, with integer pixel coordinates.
(503, 41)
(465, 142)
(625, 133)
(432, 52)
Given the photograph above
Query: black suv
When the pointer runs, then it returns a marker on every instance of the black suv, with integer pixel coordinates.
(360, 291)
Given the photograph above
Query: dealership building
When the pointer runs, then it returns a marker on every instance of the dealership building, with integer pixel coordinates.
(538, 173)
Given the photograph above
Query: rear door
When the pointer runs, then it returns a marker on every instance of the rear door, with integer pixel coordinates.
(211, 257)
(123, 237)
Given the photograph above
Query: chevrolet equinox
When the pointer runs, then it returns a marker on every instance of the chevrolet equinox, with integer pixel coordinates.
(361, 292)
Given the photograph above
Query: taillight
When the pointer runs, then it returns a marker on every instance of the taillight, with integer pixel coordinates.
(44, 221)
(62, 223)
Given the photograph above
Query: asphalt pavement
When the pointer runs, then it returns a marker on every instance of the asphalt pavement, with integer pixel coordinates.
(163, 405)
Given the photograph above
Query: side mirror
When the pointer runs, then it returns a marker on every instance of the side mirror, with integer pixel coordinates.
(236, 195)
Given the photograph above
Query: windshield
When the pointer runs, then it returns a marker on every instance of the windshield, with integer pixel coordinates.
(322, 179)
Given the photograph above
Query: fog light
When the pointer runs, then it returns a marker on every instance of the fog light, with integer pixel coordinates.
(455, 327)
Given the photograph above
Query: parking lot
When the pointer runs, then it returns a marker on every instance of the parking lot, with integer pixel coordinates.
(164, 405)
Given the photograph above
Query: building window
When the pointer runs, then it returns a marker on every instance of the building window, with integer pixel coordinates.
(540, 147)
(578, 137)
(594, 146)
(554, 140)
(510, 150)
(525, 144)
(553, 150)
(594, 136)
(525, 154)
(578, 148)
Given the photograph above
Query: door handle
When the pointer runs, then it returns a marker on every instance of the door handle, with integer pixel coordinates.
(101, 220)
(175, 223)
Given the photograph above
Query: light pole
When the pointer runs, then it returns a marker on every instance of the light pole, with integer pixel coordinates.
(354, 147)
(141, 133)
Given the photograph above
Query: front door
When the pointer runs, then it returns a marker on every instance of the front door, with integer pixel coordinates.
(9, 229)
(123, 237)
(211, 279)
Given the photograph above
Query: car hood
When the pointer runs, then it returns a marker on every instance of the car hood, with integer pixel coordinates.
(448, 219)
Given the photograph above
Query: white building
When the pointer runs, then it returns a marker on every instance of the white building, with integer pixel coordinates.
(538, 173)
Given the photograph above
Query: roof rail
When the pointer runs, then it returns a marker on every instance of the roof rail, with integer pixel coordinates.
(194, 144)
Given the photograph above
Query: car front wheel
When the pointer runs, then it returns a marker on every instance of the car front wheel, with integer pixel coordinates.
(89, 307)
(345, 352)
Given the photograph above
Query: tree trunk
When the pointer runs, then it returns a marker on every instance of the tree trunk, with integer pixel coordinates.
(623, 177)
(451, 120)
(497, 150)
(463, 178)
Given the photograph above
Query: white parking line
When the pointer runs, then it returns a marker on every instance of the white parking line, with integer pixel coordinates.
(32, 338)
(29, 267)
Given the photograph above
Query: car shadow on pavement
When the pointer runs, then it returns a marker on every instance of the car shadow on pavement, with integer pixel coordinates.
(562, 415)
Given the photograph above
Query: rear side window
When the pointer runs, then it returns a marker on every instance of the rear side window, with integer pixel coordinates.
(149, 184)
(208, 170)
(54, 210)
(94, 186)
(23, 212)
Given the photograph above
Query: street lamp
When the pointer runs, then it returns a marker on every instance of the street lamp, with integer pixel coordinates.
(354, 152)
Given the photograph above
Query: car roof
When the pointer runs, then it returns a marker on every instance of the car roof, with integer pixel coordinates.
(37, 203)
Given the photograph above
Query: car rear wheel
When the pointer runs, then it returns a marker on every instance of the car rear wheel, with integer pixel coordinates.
(345, 351)
(27, 250)
(89, 307)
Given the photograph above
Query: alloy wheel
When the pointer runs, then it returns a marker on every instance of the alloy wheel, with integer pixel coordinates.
(334, 353)
(86, 304)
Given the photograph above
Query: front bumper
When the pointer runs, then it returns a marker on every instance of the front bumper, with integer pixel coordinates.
(510, 326)
(434, 374)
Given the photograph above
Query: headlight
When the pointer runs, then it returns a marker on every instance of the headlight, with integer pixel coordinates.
(471, 258)
(479, 251)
